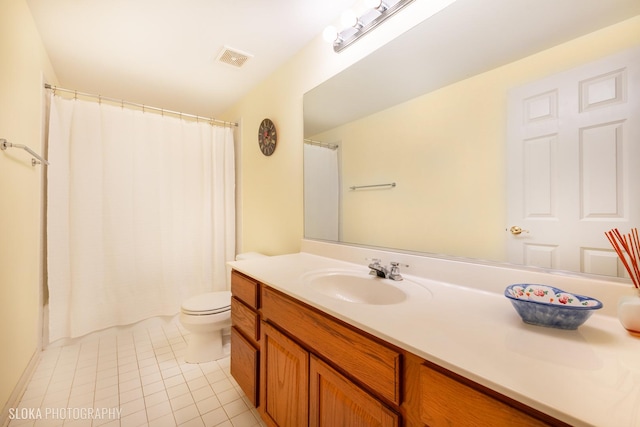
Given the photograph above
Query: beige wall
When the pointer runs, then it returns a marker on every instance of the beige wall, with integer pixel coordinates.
(447, 155)
(270, 197)
(23, 63)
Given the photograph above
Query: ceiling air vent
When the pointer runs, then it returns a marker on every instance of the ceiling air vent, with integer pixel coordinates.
(233, 57)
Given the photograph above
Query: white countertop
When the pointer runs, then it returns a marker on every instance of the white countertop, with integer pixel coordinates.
(590, 376)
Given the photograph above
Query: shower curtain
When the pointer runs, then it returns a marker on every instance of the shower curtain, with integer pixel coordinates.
(140, 214)
(321, 193)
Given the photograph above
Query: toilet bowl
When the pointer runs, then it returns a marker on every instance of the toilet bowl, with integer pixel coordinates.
(207, 317)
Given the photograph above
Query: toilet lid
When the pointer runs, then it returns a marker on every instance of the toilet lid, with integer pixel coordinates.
(209, 303)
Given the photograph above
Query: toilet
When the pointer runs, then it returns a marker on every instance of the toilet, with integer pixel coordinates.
(207, 316)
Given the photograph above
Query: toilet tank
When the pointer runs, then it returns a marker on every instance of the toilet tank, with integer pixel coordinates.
(249, 255)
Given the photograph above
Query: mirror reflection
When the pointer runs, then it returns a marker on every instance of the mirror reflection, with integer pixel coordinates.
(436, 111)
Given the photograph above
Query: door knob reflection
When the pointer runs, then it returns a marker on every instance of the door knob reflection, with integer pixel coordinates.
(515, 230)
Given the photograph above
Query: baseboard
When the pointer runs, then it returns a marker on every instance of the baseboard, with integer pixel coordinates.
(20, 388)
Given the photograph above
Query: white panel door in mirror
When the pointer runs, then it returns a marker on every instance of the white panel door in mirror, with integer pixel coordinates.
(573, 156)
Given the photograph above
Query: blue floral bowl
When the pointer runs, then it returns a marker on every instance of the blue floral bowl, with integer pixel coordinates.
(548, 306)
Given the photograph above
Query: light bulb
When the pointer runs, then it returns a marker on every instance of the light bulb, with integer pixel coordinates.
(349, 18)
(330, 34)
(379, 5)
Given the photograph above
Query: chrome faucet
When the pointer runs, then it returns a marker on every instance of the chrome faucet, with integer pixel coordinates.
(379, 270)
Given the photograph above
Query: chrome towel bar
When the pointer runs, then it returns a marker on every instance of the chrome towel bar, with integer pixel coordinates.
(4, 144)
(358, 187)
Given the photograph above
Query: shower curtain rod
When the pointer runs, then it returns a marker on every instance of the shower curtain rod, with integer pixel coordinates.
(144, 107)
(321, 144)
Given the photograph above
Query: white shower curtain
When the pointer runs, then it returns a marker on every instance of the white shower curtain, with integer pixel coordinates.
(321, 193)
(140, 214)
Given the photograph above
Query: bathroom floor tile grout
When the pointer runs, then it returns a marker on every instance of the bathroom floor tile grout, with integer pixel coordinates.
(129, 377)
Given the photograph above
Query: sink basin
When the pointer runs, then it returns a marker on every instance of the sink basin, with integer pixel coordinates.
(356, 287)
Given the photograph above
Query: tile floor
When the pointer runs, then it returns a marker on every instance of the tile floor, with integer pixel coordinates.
(132, 376)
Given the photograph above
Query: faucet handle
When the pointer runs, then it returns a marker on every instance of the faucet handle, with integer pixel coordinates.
(394, 274)
(374, 261)
(398, 264)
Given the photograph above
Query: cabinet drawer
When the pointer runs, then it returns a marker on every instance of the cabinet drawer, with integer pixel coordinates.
(442, 398)
(244, 365)
(245, 289)
(245, 319)
(365, 360)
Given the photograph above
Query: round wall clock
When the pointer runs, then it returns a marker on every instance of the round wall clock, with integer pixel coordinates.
(267, 137)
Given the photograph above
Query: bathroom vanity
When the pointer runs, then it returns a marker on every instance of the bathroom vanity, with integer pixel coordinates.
(443, 355)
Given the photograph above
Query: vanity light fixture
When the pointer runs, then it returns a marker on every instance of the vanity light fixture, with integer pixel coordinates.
(377, 11)
(350, 19)
(331, 35)
(378, 5)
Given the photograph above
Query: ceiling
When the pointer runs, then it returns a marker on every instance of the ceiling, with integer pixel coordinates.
(163, 53)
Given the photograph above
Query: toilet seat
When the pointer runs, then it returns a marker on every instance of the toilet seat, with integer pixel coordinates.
(207, 304)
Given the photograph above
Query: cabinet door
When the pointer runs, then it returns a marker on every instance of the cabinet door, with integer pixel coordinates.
(244, 365)
(284, 380)
(336, 401)
(446, 402)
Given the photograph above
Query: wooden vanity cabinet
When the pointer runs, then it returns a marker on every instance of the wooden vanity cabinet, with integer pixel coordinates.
(302, 367)
(245, 334)
(317, 371)
(365, 359)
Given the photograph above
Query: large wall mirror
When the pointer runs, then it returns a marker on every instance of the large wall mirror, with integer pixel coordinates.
(408, 148)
